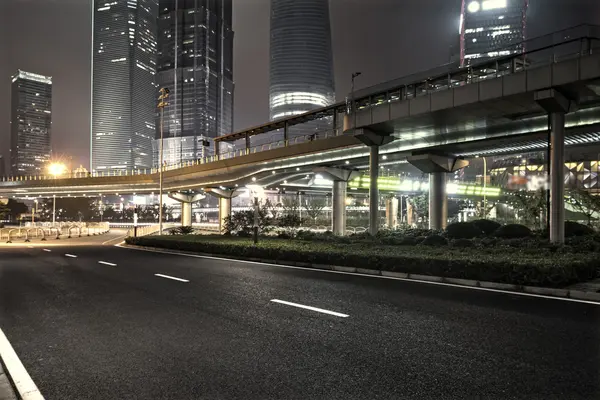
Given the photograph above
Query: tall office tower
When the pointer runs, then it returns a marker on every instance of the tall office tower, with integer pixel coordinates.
(301, 57)
(2, 167)
(491, 28)
(31, 123)
(123, 84)
(195, 62)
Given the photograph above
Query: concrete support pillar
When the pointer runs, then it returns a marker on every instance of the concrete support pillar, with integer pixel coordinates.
(391, 213)
(374, 190)
(224, 211)
(339, 207)
(437, 166)
(186, 200)
(224, 195)
(557, 105)
(340, 178)
(438, 201)
(374, 140)
(186, 214)
(557, 178)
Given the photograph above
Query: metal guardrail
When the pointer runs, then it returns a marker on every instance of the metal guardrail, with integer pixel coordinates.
(48, 231)
(570, 43)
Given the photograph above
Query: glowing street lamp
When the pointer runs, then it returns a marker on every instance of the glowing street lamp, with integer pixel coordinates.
(56, 169)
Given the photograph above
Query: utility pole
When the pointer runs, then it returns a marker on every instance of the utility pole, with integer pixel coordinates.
(162, 103)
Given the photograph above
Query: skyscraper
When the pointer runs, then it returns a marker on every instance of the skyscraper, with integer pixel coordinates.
(31, 123)
(491, 28)
(301, 70)
(195, 62)
(124, 86)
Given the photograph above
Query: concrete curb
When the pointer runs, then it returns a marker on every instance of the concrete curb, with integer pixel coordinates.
(6, 390)
(534, 290)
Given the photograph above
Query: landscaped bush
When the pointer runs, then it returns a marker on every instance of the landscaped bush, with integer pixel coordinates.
(463, 230)
(520, 266)
(487, 226)
(513, 231)
(435, 240)
(462, 243)
(181, 230)
(575, 229)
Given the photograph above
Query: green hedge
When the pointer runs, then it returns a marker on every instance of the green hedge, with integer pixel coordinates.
(520, 266)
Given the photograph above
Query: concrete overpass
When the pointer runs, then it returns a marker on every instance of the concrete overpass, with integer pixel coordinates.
(429, 119)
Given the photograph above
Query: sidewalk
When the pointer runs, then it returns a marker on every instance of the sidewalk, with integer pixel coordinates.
(6, 390)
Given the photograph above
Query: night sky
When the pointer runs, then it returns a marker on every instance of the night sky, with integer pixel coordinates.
(384, 39)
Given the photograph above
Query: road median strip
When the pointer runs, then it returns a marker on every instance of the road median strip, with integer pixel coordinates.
(525, 290)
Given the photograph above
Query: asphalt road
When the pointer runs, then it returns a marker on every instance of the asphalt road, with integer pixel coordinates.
(86, 330)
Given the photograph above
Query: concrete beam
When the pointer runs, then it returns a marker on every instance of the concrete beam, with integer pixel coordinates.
(551, 100)
(187, 197)
(431, 163)
(372, 138)
(337, 174)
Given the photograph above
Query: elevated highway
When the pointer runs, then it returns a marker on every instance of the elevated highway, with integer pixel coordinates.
(509, 104)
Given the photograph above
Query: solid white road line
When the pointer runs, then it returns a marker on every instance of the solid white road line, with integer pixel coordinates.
(71, 255)
(337, 314)
(47, 250)
(171, 277)
(539, 296)
(117, 238)
(23, 382)
(107, 263)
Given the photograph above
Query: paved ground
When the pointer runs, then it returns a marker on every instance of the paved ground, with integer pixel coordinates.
(86, 330)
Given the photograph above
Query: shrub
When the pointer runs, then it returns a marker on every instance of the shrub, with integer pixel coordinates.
(181, 230)
(486, 226)
(517, 267)
(462, 243)
(575, 229)
(463, 230)
(305, 235)
(513, 231)
(435, 240)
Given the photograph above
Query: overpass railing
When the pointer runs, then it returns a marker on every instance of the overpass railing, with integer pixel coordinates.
(566, 44)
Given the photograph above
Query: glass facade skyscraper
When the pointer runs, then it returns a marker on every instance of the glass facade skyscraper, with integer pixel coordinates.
(301, 69)
(124, 90)
(195, 62)
(31, 123)
(491, 28)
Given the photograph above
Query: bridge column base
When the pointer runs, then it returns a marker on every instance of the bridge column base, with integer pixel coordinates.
(437, 166)
(186, 200)
(224, 196)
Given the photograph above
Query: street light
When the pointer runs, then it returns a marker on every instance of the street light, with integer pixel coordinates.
(352, 106)
(162, 103)
(56, 169)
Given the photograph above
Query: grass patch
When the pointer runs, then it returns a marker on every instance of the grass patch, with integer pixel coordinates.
(519, 266)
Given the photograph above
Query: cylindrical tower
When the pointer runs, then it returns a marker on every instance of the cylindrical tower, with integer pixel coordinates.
(301, 57)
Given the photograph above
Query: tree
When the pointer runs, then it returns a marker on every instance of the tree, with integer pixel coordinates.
(529, 205)
(16, 208)
(242, 222)
(584, 202)
(314, 207)
(69, 208)
(420, 205)
(484, 209)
